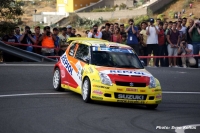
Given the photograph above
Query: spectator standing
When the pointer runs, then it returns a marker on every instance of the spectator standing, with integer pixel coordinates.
(12, 39)
(122, 29)
(167, 26)
(106, 34)
(116, 25)
(56, 41)
(73, 31)
(158, 20)
(181, 29)
(143, 35)
(27, 38)
(116, 37)
(69, 31)
(184, 22)
(195, 35)
(152, 41)
(112, 28)
(190, 5)
(161, 45)
(47, 39)
(94, 33)
(189, 38)
(63, 41)
(124, 38)
(132, 32)
(37, 37)
(173, 38)
(186, 49)
(17, 33)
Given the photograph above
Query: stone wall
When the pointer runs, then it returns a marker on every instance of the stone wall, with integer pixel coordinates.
(107, 3)
(158, 5)
(115, 14)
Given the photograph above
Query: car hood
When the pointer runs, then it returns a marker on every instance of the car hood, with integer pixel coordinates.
(125, 74)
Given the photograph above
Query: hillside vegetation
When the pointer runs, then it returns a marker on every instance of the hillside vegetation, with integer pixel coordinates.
(167, 13)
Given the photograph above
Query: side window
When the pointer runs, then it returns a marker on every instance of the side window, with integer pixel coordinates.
(72, 49)
(82, 52)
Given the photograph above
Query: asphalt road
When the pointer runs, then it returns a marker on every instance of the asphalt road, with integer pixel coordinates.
(28, 104)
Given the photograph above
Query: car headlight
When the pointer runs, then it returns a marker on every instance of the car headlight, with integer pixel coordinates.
(105, 79)
(152, 82)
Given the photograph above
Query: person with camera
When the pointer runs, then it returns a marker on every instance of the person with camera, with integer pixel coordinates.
(47, 39)
(152, 41)
(27, 38)
(132, 39)
(186, 49)
(94, 33)
(194, 32)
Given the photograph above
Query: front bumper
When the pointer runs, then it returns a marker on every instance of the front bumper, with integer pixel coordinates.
(106, 93)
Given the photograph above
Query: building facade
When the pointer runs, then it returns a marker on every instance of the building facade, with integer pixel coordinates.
(72, 5)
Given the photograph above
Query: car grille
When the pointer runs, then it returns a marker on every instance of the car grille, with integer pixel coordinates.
(130, 84)
(130, 96)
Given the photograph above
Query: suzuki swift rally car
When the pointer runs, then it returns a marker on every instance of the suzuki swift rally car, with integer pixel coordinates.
(106, 71)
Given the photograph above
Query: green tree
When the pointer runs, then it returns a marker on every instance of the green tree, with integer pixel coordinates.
(10, 12)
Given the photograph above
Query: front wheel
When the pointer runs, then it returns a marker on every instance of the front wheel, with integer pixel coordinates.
(152, 106)
(86, 90)
(57, 80)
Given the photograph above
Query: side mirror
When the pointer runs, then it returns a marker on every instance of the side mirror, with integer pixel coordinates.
(142, 62)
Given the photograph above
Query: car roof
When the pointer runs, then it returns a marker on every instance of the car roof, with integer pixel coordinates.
(98, 42)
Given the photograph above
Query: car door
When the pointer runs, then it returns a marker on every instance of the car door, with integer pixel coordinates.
(71, 76)
(80, 60)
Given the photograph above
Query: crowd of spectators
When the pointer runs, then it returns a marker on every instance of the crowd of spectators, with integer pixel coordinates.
(53, 42)
(157, 39)
(152, 38)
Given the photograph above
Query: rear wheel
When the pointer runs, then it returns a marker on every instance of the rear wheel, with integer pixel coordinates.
(57, 80)
(152, 106)
(86, 90)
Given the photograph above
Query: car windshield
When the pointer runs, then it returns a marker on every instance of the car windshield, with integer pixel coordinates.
(120, 58)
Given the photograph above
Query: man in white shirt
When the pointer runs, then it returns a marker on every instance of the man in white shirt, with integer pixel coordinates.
(152, 41)
(94, 33)
(186, 49)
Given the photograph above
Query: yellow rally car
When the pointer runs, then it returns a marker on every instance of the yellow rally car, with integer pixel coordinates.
(106, 71)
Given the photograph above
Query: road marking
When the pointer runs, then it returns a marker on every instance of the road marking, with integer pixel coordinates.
(33, 94)
(174, 92)
(65, 93)
(187, 127)
(26, 65)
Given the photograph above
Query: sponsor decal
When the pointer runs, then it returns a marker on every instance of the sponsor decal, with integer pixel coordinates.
(98, 92)
(95, 80)
(99, 98)
(132, 89)
(130, 101)
(142, 90)
(120, 89)
(80, 70)
(90, 69)
(127, 72)
(159, 96)
(62, 73)
(66, 64)
(99, 86)
(156, 90)
(130, 97)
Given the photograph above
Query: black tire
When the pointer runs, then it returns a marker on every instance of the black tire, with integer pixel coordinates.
(152, 106)
(86, 90)
(57, 80)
